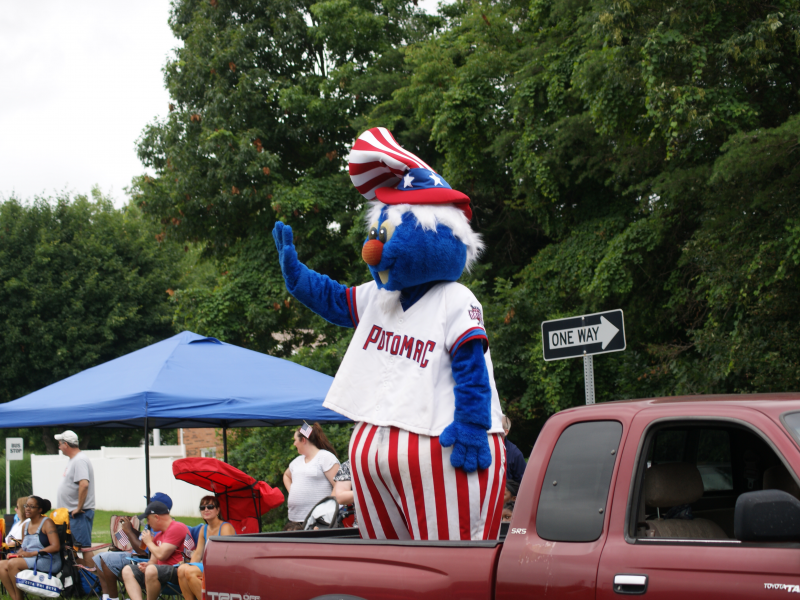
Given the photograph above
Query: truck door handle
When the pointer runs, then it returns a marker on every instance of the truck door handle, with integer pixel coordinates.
(631, 585)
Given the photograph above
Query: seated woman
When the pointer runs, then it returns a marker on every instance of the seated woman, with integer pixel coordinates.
(38, 535)
(190, 574)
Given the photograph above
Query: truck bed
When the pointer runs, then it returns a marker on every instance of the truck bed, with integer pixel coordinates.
(411, 569)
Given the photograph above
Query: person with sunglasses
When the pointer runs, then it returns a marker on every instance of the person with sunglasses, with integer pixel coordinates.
(39, 535)
(190, 575)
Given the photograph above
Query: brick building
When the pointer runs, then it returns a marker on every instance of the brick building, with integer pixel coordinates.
(202, 442)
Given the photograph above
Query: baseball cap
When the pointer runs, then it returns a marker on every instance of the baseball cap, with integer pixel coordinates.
(154, 508)
(161, 497)
(68, 436)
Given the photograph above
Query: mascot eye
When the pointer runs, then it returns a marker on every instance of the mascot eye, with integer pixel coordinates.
(386, 231)
(373, 231)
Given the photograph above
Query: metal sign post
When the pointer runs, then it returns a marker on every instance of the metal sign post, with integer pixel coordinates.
(13, 452)
(584, 336)
(588, 378)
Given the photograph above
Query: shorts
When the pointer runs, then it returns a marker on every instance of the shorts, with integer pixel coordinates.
(81, 527)
(198, 565)
(115, 561)
(166, 574)
(43, 563)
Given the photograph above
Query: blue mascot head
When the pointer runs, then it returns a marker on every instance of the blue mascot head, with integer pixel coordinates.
(418, 226)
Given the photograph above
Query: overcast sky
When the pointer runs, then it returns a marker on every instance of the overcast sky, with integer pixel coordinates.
(80, 80)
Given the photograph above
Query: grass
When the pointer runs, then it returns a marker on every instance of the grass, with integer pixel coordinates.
(101, 528)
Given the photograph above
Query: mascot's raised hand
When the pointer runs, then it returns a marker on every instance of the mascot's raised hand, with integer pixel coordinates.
(427, 454)
(291, 267)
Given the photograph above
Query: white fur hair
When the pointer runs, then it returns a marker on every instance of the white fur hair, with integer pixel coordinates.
(430, 215)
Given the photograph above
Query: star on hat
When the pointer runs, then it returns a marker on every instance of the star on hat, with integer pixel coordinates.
(382, 169)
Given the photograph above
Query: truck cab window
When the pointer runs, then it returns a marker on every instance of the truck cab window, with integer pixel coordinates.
(573, 500)
(692, 475)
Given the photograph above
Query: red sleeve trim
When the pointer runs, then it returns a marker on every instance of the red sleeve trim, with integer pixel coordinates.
(470, 334)
(351, 305)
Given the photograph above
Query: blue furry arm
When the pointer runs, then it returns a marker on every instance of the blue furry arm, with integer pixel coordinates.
(318, 292)
(473, 416)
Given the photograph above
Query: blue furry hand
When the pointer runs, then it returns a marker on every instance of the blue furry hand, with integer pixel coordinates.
(291, 267)
(470, 446)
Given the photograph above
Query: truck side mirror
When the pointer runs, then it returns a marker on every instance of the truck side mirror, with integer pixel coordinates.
(767, 516)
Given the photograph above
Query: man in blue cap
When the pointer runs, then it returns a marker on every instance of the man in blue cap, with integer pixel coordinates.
(110, 564)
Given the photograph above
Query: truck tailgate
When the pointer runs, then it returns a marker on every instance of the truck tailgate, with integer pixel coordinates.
(287, 566)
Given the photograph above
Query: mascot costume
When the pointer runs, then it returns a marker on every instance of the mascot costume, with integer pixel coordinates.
(427, 453)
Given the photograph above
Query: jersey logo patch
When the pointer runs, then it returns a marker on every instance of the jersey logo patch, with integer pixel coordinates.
(475, 314)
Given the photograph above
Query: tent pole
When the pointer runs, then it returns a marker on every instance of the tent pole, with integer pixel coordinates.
(225, 442)
(147, 459)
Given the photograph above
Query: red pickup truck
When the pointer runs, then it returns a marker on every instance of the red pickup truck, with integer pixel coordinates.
(690, 497)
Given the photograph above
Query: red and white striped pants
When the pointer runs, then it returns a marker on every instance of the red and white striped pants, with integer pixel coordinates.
(406, 488)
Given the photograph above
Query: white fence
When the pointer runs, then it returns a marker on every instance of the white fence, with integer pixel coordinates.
(120, 479)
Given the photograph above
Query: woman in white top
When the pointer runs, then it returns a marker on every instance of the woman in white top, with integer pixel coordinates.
(309, 477)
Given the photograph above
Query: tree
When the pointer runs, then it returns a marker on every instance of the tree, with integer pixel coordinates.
(615, 137)
(82, 283)
(264, 94)
(634, 155)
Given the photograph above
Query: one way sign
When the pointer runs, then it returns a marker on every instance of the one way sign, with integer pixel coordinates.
(572, 337)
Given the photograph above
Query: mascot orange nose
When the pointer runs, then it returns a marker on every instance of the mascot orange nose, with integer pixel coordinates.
(371, 252)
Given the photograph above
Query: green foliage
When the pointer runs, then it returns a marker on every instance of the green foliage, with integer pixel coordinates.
(264, 94)
(634, 155)
(617, 136)
(81, 283)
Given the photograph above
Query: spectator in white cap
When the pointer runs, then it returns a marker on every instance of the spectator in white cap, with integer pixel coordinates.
(76, 493)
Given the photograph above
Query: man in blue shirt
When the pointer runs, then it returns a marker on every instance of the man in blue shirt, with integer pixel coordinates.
(515, 461)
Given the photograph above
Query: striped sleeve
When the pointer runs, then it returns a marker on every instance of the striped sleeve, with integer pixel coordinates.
(473, 333)
(358, 298)
(352, 307)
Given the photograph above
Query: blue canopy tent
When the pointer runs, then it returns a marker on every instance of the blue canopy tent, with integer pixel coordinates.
(185, 381)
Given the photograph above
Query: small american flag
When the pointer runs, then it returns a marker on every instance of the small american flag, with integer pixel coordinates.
(306, 430)
(188, 544)
(122, 538)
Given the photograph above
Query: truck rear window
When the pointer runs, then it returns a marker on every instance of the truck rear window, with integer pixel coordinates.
(792, 423)
(575, 490)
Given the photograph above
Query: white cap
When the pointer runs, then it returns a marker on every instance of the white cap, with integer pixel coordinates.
(68, 436)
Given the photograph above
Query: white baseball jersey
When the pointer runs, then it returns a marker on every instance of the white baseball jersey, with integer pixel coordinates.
(398, 368)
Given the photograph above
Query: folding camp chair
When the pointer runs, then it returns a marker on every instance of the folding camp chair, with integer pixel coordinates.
(242, 499)
(171, 589)
(74, 577)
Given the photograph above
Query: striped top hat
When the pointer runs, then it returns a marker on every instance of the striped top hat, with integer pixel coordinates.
(380, 168)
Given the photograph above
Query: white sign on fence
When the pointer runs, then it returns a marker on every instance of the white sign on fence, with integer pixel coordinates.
(14, 448)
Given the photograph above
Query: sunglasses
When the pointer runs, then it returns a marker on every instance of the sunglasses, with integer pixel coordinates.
(30, 506)
(207, 507)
